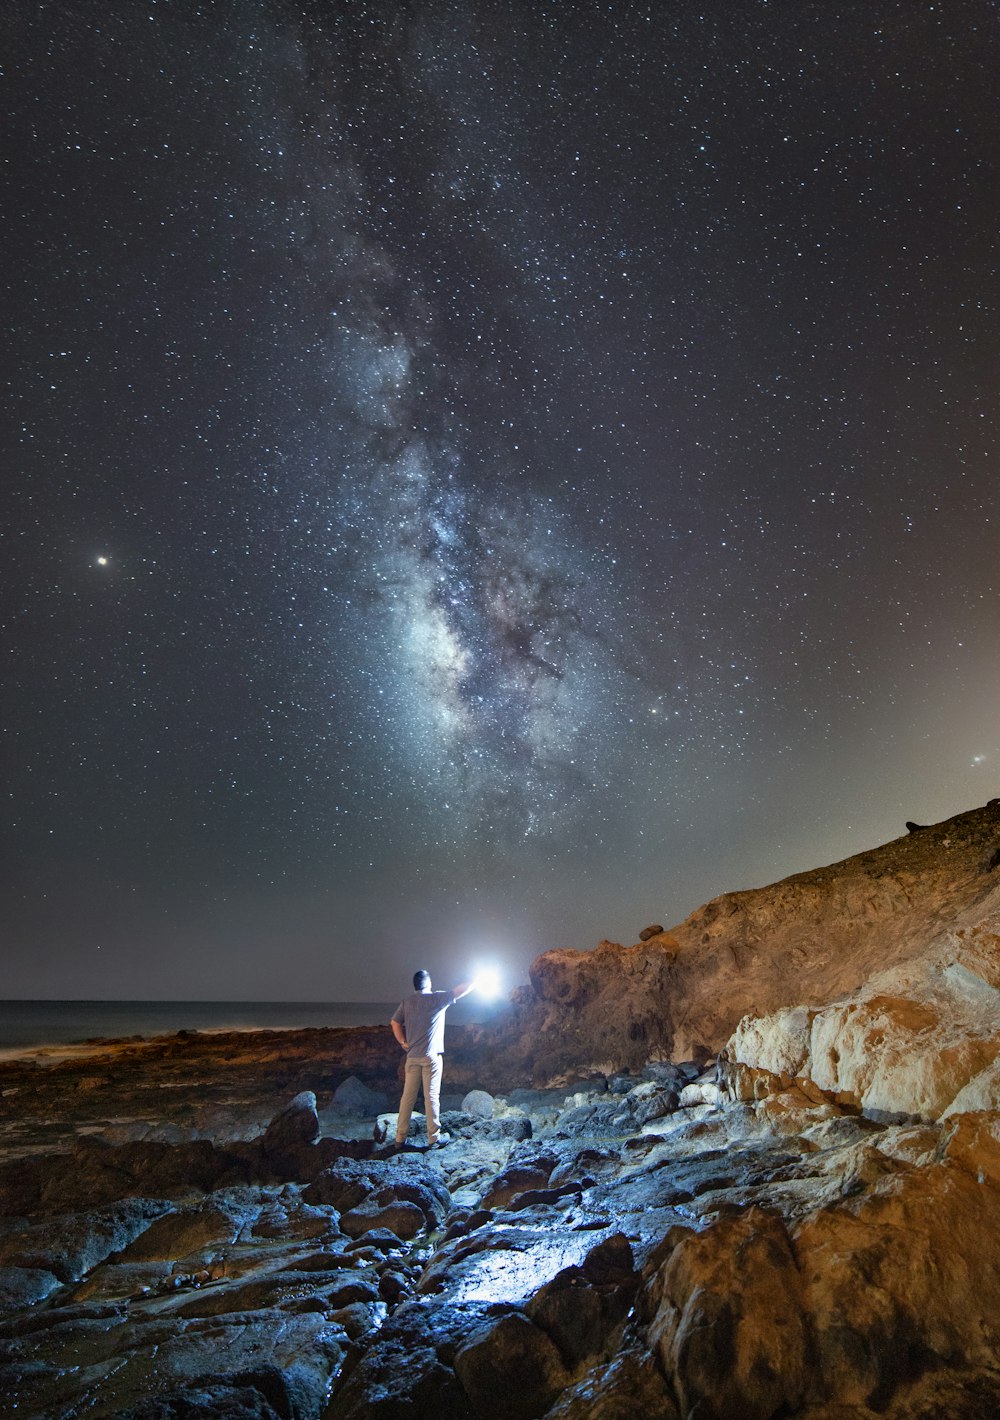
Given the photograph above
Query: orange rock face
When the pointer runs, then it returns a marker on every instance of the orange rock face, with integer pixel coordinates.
(928, 902)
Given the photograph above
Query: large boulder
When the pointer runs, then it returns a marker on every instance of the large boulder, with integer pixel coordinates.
(511, 1370)
(918, 1039)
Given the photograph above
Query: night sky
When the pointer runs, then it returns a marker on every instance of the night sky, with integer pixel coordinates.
(482, 475)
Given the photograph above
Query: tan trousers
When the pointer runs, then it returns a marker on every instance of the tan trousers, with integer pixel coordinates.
(425, 1070)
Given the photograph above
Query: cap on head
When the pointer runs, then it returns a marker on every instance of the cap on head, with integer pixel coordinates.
(421, 979)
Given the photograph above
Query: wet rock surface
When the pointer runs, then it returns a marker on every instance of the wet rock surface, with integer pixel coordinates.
(778, 1257)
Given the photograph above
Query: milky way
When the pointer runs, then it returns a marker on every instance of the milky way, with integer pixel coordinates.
(484, 473)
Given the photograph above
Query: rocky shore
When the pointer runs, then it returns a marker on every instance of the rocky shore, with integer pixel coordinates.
(747, 1168)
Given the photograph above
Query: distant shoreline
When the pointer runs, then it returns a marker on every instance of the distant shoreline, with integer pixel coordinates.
(51, 1052)
(52, 1029)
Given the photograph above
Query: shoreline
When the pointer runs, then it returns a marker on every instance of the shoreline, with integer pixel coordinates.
(55, 1052)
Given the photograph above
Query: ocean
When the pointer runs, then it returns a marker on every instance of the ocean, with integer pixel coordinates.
(26, 1026)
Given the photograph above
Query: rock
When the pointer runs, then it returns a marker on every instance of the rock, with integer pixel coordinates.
(406, 1370)
(651, 1100)
(297, 1124)
(701, 1092)
(515, 1127)
(911, 1042)
(192, 1230)
(23, 1286)
(352, 1097)
(724, 1313)
(210, 1399)
(610, 1263)
(783, 1253)
(405, 1178)
(369, 1246)
(810, 940)
(582, 1317)
(515, 1179)
(405, 1220)
(324, 1292)
(508, 1348)
(629, 1387)
(655, 931)
(72, 1244)
(291, 1358)
(479, 1104)
(357, 1319)
(385, 1127)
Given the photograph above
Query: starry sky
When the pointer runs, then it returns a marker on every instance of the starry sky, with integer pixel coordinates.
(482, 475)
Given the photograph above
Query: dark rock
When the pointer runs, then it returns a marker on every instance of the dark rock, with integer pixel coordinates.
(23, 1286)
(582, 1319)
(630, 1387)
(655, 1106)
(71, 1244)
(269, 1393)
(297, 1124)
(405, 1220)
(433, 1203)
(468, 1126)
(406, 1373)
(726, 1314)
(611, 1263)
(602, 1117)
(210, 1400)
(373, 1241)
(508, 1348)
(514, 1127)
(339, 1288)
(669, 1075)
(393, 1287)
(588, 1162)
(655, 931)
(187, 1231)
(514, 1179)
(352, 1097)
(533, 1197)
(357, 1319)
(404, 1177)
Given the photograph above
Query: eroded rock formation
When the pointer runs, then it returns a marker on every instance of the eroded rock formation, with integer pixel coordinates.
(927, 904)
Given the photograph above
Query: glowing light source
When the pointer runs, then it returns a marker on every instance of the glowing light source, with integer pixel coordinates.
(487, 983)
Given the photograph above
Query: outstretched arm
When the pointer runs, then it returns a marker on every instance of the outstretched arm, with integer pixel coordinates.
(397, 1031)
(463, 990)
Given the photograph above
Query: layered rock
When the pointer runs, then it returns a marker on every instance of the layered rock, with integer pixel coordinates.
(924, 902)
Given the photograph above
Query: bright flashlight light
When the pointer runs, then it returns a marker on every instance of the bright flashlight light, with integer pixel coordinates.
(487, 983)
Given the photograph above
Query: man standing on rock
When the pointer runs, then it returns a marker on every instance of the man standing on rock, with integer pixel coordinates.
(418, 1025)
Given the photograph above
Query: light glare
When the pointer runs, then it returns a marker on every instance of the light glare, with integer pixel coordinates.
(487, 983)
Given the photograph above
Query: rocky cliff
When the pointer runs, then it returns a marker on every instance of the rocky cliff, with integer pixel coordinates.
(924, 906)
